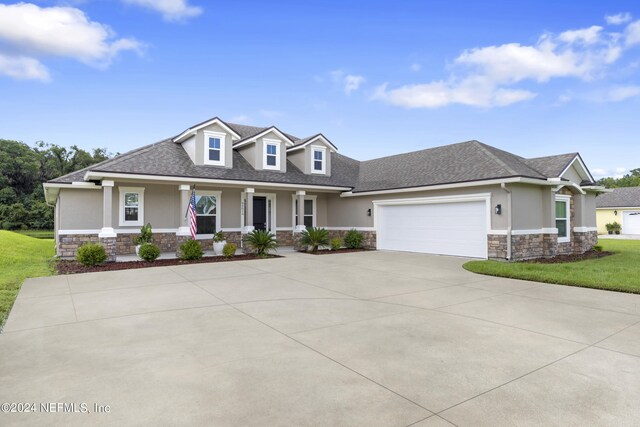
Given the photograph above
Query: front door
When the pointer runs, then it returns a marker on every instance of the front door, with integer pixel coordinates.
(260, 213)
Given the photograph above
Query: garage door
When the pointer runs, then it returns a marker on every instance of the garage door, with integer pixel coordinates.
(444, 228)
(631, 222)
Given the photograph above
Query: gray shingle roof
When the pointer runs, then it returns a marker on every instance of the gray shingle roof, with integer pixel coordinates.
(456, 163)
(551, 166)
(626, 197)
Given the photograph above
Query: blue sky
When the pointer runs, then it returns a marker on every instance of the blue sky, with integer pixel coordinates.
(377, 78)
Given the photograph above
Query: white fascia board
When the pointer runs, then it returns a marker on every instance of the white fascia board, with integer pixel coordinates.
(52, 189)
(449, 186)
(582, 165)
(569, 184)
(273, 129)
(315, 138)
(192, 131)
(226, 182)
(597, 189)
(628, 208)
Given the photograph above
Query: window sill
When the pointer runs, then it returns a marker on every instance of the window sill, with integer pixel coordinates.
(564, 240)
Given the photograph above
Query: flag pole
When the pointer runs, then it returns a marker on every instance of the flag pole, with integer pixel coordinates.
(187, 211)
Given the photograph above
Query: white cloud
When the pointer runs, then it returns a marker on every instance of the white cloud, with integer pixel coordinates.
(271, 114)
(349, 82)
(617, 173)
(620, 18)
(352, 83)
(484, 76)
(416, 67)
(23, 68)
(171, 10)
(621, 93)
(28, 31)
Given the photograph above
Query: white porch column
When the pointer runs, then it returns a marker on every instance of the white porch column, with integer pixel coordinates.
(300, 223)
(107, 210)
(183, 229)
(249, 225)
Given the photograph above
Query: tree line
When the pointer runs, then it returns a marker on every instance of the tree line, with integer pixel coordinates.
(632, 179)
(23, 169)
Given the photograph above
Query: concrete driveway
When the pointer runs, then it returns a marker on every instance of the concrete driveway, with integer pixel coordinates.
(376, 338)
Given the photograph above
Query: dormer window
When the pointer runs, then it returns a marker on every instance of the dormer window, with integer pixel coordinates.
(318, 160)
(271, 154)
(214, 152)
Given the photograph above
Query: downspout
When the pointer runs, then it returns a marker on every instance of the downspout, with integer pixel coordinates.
(509, 226)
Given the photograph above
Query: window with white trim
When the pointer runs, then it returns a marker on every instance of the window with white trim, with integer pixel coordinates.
(214, 148)
(318, 160)
(563, 221)
(131, 206)
(309, 216)
(207, 212)
(271, 154)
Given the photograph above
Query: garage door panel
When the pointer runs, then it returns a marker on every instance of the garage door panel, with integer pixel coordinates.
(631, 222)
(445, 228)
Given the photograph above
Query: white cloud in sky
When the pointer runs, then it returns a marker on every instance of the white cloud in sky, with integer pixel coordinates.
(620, 93)
(416, 67)
(620, 18)
(485, 76)
(349, 82)
(618, 172)
(29, 32)
(171, 10)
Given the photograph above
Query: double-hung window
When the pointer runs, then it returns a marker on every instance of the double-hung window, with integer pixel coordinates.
(207, 212)
(563, 223)
(271, 154)
(214, 149)
(309, 217)
(318, 160)
(131, 206)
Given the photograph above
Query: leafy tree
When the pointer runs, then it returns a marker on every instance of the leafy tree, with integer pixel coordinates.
(632, 179)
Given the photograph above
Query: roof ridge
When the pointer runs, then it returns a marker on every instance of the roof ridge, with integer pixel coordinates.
(495, 158)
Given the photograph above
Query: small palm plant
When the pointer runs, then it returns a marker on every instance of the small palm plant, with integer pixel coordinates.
(314, 237)
(261, 241)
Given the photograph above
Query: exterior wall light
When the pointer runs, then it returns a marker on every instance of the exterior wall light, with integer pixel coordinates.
(369, 212)
(615, 212)
(498, 209)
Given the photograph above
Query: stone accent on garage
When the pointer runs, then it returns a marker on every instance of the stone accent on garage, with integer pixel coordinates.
(497, 246)
(523, 246)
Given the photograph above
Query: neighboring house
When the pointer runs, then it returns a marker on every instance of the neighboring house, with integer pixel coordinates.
(467, 199)
(622, 205)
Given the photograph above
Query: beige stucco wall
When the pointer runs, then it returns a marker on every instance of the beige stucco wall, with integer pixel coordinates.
(572, 175)
(352, 211)
(297, 158)
(527, 202)
(302, 158)
(590, 206)
(200, 145)
(80, 209)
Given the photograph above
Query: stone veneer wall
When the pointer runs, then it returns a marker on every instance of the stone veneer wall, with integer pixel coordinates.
(529, 246)
(369, 241)
(69, 243)
(583, 241)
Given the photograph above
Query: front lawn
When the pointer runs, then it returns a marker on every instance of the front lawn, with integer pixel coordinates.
(38, 234)
(618, 272)
(20, 257)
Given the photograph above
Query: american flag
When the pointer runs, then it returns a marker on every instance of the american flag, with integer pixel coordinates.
(192, 214)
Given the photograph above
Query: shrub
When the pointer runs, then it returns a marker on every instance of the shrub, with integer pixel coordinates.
(191, 249)
(353, 239)
(336, 243)
(218, 237)
(146, 235)
(616, 227)
(261, 241)
(609, 226)
(314, 237)
(597, 248)
(229, 250)
(91, 254)
(149, 252)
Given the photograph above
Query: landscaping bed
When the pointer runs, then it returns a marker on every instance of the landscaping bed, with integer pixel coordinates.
(570, 257)
(330, 251)
(73, 267)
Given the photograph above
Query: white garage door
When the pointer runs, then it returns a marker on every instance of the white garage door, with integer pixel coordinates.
(631, 222)
(444, 228)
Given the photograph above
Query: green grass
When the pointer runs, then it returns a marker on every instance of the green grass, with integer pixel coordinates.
(20, 257)
(618, 272)
(38, 234)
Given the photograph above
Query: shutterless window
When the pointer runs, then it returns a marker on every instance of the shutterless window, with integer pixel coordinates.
(215, 149)
(272, 154)
(206, 211)
(308, 213)
(562, 218)
(318, 159)
(131, 206)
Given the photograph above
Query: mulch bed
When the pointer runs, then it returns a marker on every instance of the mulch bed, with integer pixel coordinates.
(329, 251)
(558, 259)
(73, 267)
